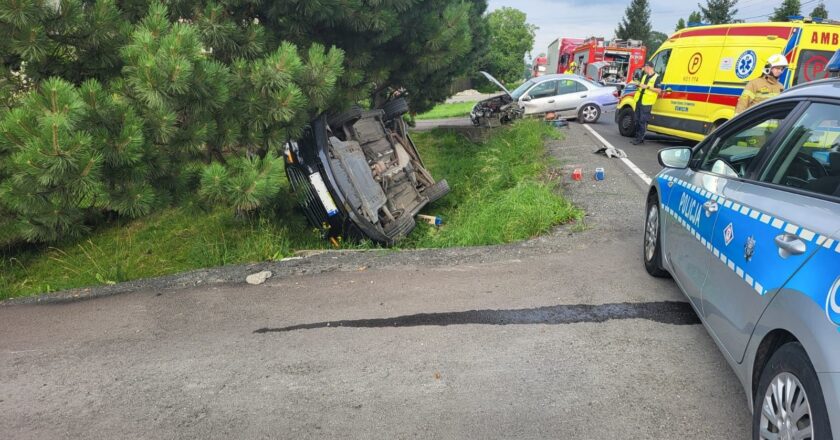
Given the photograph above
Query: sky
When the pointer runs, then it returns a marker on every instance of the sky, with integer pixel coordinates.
(582, 19)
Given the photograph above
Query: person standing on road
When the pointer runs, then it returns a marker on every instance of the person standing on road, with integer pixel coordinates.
(571, 69)
(648, 90)
(764, 87)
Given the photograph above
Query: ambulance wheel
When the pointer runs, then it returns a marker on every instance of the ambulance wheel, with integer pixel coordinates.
(652, 249)
(627, 122)
(789, 402)
(589, 114)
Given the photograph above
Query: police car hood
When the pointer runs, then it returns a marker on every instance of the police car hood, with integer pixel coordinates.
(495, 81)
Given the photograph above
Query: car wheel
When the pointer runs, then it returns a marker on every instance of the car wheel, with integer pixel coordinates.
(589, 114)
(436, 191)
(338, 121)
(789, 402)
(397, 107)
(399, 228)
(652, 250)
(627, 122)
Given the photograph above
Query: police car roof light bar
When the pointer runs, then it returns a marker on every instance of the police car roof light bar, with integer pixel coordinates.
(833, 65)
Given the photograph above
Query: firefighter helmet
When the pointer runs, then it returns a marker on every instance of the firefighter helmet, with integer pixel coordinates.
(775, 60)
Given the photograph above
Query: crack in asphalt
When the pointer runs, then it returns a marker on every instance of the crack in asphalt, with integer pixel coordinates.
(665, 312)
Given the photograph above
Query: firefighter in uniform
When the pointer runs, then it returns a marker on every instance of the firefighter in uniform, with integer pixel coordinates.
(571, 68)
(648, 91)
(765, 87)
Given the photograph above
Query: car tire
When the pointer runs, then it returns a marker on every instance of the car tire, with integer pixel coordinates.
(436, 191)
(626, 122)
(399, 228)
(589, 114)
(789, 368)
(397, 107)
(351, 115)
(652, 244)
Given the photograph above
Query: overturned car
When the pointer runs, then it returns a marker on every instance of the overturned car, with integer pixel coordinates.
(496, 110)
(358, 174)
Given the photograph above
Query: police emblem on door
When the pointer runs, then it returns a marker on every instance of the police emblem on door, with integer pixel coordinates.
(749, 248)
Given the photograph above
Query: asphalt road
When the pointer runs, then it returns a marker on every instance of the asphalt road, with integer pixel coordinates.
(562, 336)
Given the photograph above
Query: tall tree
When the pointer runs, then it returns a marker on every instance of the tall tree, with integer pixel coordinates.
(695, 17)
(786, 9)
(511, 37)
(636, 22)
(820, 11)
(718, 11)
(680, 24)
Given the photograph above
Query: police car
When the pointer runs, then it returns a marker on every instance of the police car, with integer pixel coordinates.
(748, 224)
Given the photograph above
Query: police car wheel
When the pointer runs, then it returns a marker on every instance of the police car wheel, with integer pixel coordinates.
(589, 114)
(627, 122)
(652, 250)
(788, 401)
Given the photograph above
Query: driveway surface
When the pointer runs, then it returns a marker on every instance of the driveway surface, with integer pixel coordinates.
(562, 336)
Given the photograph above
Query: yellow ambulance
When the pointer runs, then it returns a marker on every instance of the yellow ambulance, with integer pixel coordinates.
(704, 69)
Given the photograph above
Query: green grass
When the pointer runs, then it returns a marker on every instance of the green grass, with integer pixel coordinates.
(443, 111)
(501, 192)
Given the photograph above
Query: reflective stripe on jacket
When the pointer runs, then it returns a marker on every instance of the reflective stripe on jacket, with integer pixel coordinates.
(649, 96)
(758, 90)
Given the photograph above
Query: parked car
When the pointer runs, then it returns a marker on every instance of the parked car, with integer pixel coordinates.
(748, 224)
(358, 174)
(568, 96)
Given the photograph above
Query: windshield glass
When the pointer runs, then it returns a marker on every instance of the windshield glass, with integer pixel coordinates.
(516, 94)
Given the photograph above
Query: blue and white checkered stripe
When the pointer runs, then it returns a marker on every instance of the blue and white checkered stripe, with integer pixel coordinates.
(757, 281)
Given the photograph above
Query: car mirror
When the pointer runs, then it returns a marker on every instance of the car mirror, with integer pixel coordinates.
(723, 168)
(526, 98)
(676, 157)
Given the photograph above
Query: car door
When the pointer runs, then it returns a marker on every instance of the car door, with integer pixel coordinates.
(770, 226)
(697, 196)
(540, 98)
(570, 95)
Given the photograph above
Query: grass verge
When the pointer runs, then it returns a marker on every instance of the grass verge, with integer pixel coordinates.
(443, 111)
(501, 192)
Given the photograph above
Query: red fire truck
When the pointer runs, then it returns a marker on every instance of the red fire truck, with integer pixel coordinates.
(612, 62)
(560, 54)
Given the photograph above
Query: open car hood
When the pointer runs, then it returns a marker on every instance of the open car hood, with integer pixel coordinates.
(495, 81)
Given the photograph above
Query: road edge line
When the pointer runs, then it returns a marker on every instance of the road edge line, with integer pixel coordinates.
(636, 170)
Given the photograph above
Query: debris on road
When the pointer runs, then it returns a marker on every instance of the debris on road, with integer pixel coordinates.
(258, 278)
(611, 152)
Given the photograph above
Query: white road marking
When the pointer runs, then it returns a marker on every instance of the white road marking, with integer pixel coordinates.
(645, 178)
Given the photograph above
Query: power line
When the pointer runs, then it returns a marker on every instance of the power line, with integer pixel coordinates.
(771, 13)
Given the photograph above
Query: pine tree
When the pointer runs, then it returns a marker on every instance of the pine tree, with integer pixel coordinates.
(636, 22)
(680, 24)
(49, 168)
(820, 11)
(786, 9)
(719, 11)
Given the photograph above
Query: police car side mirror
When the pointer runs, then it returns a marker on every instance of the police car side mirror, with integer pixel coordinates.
(526, 98)
(676, 157)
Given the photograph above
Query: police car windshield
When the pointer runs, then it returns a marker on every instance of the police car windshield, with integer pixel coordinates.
(519, 91)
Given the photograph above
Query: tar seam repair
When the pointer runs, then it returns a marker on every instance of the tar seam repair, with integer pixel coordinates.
(665, 312)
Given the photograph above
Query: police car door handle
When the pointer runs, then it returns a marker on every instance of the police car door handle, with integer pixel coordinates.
(583, 96)
(551, 101)
(790, 244)
(711, 207)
